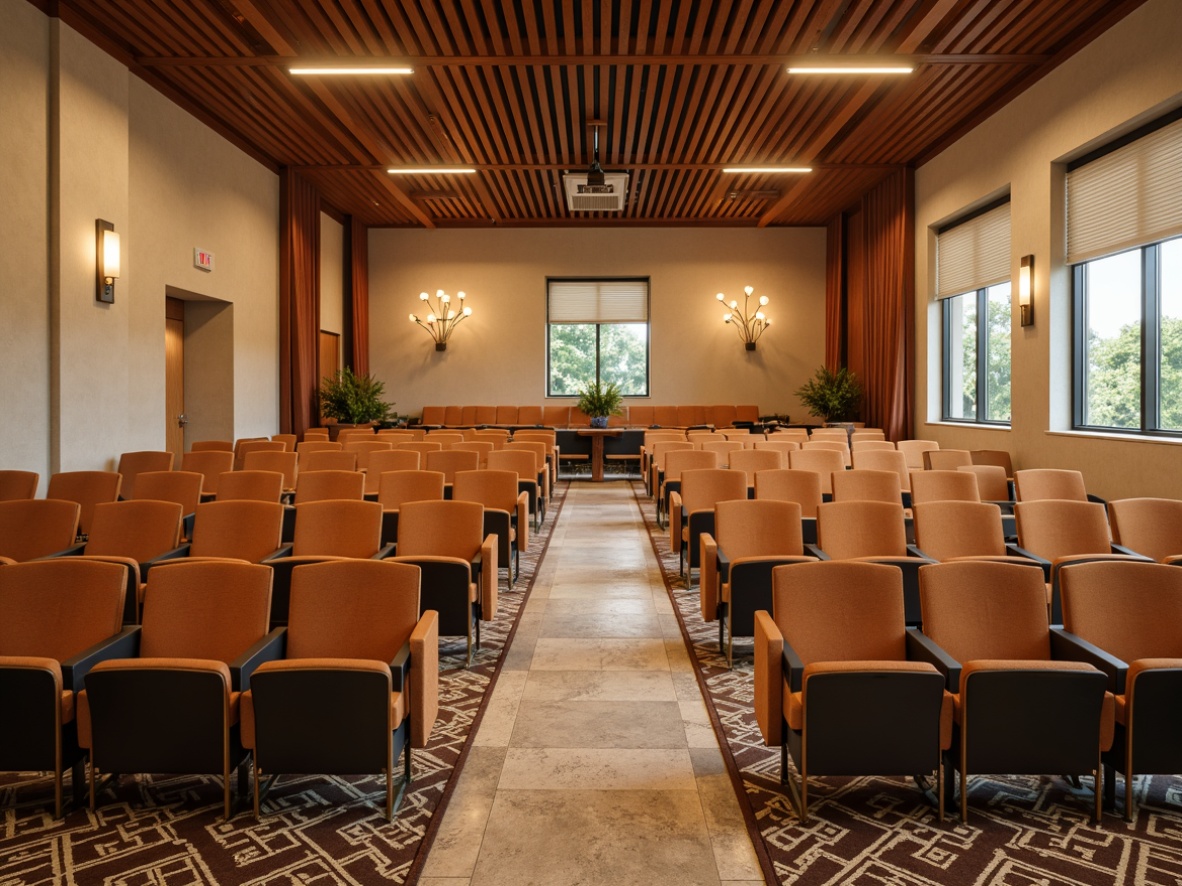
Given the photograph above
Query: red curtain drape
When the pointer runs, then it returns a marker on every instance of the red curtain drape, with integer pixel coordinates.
(834, 286)
(359, 302)
(299, 303)
(889, 304)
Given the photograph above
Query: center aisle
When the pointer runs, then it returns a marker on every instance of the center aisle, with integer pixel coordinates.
(595, 761)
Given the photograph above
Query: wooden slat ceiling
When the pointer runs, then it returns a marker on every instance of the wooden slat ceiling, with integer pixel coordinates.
(682, 87)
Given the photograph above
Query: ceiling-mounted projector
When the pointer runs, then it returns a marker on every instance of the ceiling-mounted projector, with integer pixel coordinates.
(595, 190)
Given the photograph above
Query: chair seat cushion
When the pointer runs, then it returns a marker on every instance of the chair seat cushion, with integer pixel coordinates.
(1137, 668)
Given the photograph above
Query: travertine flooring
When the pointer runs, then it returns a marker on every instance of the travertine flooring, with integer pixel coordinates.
(595, 762)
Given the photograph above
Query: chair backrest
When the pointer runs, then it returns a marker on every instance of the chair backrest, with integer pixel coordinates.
(829, 434)
(316, 434)
(328, 485)
(651, 438)
(182, 487)
(702, 488)
(784, 446)
(750, 461)
(1129, 609)
(212, 446)
(687, 460)
(796, 435)
(913, 451)
(422, 447)
(997, 457)
(742, 434)
(1149, 526)
(434, 415)
(359, 609)
(449, 461)
(556, 416)
(1040, 483)
(88, 488)
(388, 460)
(289, 441)
(493, 489)
(440, 529)
(867, 445)
(328, 461)
(243, 530)
(529, 415)
(848, 529)
(137, 529)
(992, 483)
(57, 608)
(955, 485)
(17, 485)
(948, 529)
(365, 450)
(396, 487)
(868, 435)
(982, 609)
(721, 416)
(284, 462)
(665, 416)
(539, 448)
(758, 528)
(823, 462)
(1051, 528)
(840, 611)
(886, 460)
(661, 449)
(397, 435)
(337, 528)
(445, 438)
(722, 447)
(945, 459)
(213, 609)
(494, 439)
(481, 447)
(251, 486)
(839, 446)
(802, 487)
(243, 447)
(345, 436)
(319, 445)
(132, 464)
(210, 463)
(864, 484)
(524, 463)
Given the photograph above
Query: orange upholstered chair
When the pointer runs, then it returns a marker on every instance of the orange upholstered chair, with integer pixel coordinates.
(251, 485)
(997, 457)
(823, 462)
(945, 459)
(244, 447)
(992, 483)
(446, 540)
(691, 510)
(211, 464)
(939, 485)
(396, 487)
(913, 451)
(863, 484)
(433, 415)
(17, 485)
(213, 446)
(238, 530)
(1020, 707)
(325, 485)
(172, 704)
(1150, 526)
(749, 539)
(182, 487)
(132, 464)
(839, 446)
(1126, 619)
(58, 618)
(837, 682)
(1036, 484)
(802, 487)
(311, 434)
(783, 446)
(388, 460)
(33, 528)
(289, 441)
(88, 488)
(542, 450)
(952, 530)
(524, 463)
(326, 460)
(282, 461)
(449, 462)
(670, 464)
(481, 447)
(886, 460)
(359, 681)
(506, 511)
(319, 444)
(750, 461)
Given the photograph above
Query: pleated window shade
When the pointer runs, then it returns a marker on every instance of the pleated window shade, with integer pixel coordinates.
(974, 254)
(598, 301)
(1129, 197)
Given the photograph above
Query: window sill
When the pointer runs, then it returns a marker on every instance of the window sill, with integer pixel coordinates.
(1123, 438)
(976, 426)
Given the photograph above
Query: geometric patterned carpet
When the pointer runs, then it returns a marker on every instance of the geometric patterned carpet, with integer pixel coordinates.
(873, 831)
(169, 830)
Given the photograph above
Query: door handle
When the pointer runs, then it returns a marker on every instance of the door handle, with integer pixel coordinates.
(182, 420)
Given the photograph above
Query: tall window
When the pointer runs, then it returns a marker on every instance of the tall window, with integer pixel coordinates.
(972, 273)
(597, 330)
(1124, 215)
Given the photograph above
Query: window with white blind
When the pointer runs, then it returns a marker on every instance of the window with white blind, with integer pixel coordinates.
(597, 330)
(973, 285)
(1124, 243)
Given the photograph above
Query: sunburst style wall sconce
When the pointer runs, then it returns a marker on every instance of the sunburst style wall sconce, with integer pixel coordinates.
(749, 324)
(441, 318)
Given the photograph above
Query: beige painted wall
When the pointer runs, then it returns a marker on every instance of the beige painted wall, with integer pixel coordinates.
(1130, 74)
(24, 259)
(332, 275)
(498, 356)
(88, 140)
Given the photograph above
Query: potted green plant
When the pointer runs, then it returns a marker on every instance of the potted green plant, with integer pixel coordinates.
(599, 401)
(353, 399)
(832, 396)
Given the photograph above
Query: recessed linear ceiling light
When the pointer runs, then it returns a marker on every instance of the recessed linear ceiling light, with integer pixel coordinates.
(350, 70)
(431, 170)
(843, 66)
(744, 170)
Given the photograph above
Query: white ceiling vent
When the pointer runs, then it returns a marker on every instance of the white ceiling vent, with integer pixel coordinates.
(584, 197)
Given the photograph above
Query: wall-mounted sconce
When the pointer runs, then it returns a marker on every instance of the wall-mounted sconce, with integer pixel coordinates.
(1026, 290)
(441, 318)
(750, 325)
(106, 250)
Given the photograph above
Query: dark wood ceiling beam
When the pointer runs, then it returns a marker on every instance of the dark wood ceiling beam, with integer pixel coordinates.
(279, 41)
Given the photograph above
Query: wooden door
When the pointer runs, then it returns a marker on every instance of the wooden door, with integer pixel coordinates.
(174, 378)
(330, 354)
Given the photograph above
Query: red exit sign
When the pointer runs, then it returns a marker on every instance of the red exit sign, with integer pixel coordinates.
(203, 259)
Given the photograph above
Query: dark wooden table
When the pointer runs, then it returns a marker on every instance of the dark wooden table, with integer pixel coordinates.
(597, 435)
